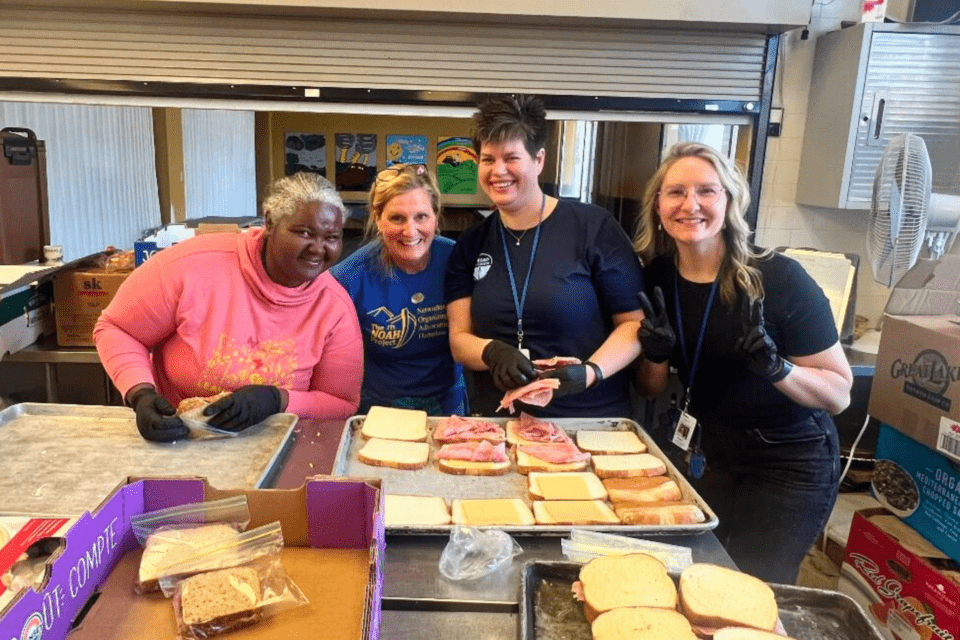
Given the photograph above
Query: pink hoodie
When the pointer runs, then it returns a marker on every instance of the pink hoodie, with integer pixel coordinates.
(203, 317)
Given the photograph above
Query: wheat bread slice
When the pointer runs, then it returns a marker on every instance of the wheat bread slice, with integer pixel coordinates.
(610, 442)
(642, 489)
(642, 623)
(628, 465)
(631, 580)
(746, 633)
(576, 485)
(714, 596)
(395, 453)
(471, 468)
(527, 463)
(574, 512)
(395, 424)
(415, 510)
(218, 601)
(494, 511)
(660, 513)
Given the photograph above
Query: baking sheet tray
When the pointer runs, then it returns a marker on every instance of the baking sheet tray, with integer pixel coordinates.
(549, 612)
(430, 481)
(65, 459)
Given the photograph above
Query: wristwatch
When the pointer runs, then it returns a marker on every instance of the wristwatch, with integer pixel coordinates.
(597, 372)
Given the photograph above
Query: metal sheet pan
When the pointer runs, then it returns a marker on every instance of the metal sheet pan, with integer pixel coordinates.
(549, 612)
(430, 481)
(65, 459)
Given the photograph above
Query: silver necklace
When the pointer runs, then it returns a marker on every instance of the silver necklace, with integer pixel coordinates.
(543, 206)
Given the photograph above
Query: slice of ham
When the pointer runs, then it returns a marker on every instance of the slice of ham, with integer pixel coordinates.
(549, 364)
(577, 589)
(563, 453)
(457, 429)
(538, 393)
(541, 431)
(481, 451)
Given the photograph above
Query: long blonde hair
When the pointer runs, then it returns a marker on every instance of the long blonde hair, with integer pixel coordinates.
(736, 270)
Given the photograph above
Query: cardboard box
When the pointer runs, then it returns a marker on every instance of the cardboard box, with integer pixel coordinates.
(916, 384)
(17, 534)
(25, 315)
(928, 485)
(333, 549)
(79, 296)
(889, 570)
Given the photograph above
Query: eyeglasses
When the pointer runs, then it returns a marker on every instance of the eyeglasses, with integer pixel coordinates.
(391, 173)
(705, 194)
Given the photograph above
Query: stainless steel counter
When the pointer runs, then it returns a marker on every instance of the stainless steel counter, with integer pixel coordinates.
(447, 625)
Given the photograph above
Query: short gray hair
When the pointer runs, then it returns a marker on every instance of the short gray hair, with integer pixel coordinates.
(289, 193)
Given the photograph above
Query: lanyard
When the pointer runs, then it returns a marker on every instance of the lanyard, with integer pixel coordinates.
(519, 301)
(691, 366)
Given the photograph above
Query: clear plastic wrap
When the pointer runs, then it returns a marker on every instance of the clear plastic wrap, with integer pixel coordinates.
(473, 553)
(251, 585)
(583, 546)
(171, 535)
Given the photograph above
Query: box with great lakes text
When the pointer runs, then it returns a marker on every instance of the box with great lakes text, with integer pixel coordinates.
(909, 588)
(333, 549)
(916, 384)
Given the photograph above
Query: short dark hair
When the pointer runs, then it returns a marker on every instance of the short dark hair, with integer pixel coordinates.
(511, 117)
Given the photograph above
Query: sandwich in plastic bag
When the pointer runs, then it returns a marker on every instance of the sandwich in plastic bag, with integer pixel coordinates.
(170, 535)
(251, 585)
(190, 412)
(473, 553)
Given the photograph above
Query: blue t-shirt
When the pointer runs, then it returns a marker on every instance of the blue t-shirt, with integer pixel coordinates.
(407, 359)
(584, 272)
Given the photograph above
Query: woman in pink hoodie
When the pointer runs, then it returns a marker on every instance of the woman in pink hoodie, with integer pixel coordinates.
(255, 314)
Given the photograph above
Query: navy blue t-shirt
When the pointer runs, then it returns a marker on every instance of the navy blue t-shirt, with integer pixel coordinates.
(796, 315)
(584, 272)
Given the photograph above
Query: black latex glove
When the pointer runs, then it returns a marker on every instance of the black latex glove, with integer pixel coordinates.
(573, 379)
(156, 417)
(657, 338)
(755, 346)
(245, 407)
(510, 368)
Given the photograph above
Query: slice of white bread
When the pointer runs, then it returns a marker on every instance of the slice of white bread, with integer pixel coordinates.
(642, 489)
(495, 511)
(219, 601)
(166, 547)
(642, 623)
(578, 485)
(631, 580)
(395, 424)
(527, 463)
(628, 465)
(471, 468)
(745, 633)
(660, 513)
(714, 596)
(415, 510)
(573, 512)
(395, 453)
(513, 435)
(610, 442)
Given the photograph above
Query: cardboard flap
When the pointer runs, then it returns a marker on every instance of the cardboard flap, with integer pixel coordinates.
(352, 502)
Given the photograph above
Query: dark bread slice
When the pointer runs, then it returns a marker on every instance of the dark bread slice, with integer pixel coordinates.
(219, 601)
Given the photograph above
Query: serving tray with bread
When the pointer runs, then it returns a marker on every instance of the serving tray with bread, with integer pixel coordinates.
(524, 475)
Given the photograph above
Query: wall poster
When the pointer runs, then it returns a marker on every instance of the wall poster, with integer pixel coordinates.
(406, 149)
(356, 165)
(456, 165)
(304, 152)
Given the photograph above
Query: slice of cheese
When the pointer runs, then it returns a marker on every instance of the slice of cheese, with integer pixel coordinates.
(610, 442)
(415, 510)
(395, 424)
(574, 512)
(498, 511)
(566, 486)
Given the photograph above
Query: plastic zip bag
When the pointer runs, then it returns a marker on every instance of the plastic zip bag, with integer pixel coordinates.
(251, 585)
(199, 429)
(171, 535)
(473, 553)
(583, 546)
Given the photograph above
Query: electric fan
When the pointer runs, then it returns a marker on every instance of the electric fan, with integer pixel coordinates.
(904, 212)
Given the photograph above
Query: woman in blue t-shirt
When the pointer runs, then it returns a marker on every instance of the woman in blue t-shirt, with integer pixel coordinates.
(396, 283)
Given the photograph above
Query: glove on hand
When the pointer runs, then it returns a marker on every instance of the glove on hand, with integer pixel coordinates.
(510, 368)
(156, 419)
(756, 347)
(245, 407)
(657, 338)
(573, 379)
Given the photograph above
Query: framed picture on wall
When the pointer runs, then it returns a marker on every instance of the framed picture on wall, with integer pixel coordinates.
(456, 165)
(406, 149)
(304, 152)
(356, 160)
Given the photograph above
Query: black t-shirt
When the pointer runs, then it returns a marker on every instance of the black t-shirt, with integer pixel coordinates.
(797, 317)
(584, 272)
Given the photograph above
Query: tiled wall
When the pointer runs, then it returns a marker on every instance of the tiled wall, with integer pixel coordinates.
(783, 222)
